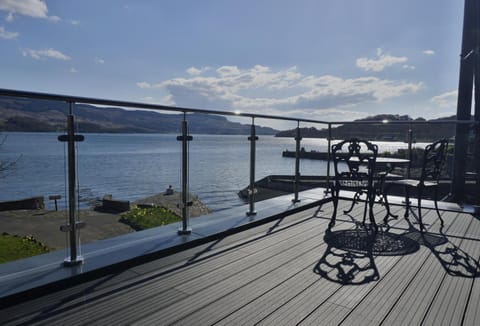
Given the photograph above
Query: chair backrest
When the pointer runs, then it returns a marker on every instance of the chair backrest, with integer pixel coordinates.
(433, 159)
(354, 163)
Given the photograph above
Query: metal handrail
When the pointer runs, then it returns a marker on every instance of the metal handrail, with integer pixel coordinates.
(159, 107)
(185, 137)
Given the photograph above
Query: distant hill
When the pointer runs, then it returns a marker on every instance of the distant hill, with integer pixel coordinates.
(390, 132)
(18, 114)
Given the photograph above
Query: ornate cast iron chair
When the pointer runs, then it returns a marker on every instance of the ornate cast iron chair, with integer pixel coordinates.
(354, 164)
(433, 160)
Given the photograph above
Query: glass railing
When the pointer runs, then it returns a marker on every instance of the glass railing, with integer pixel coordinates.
(116, 181)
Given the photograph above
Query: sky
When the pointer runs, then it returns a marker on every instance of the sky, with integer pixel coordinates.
(318, 59)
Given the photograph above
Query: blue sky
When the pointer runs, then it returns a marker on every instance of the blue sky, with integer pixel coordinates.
(328, 60)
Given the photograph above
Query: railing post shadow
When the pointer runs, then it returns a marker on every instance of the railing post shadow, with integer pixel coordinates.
(251, 189)
(185, 138)
(73, 225)
(298, 138)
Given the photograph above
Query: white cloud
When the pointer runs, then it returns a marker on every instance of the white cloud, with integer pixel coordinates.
(410, 67)
(54, 19)
(428, 52)
(283, 91)
(380, 63)
(75, 22)
(10, 18)
(144, 85)
(31, 8)
(7, 35)
(446, 100)
(195, 71)
(228, 71)
(73, 70)
(99, 60)
(44, 54)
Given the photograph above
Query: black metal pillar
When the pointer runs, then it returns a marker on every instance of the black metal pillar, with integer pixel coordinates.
(464, 102)
(476, 127)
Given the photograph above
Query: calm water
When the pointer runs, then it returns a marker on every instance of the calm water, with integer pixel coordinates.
(134, 166)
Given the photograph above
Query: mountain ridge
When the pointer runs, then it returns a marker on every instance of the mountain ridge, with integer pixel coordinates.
(18, 114)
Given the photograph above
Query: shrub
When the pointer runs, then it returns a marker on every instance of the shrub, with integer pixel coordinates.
(145, 218)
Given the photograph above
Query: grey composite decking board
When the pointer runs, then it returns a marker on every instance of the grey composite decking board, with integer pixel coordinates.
(376, 305)
(268, 302)
(246, 295)
(267, 278)
(95, 284)
(450, 303)
(342, 299)
(472, 313)
(262, 306)
(170, 281)
(414, 303)
(305, 302)
(251, 291)
(348, 296)
(297, 311)
(238, 267)
(157, 285)
(233, 282)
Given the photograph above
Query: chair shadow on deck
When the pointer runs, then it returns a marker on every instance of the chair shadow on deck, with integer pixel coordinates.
(454, 260)
(349, 257)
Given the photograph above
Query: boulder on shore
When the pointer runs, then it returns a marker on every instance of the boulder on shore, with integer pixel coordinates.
(171, 200)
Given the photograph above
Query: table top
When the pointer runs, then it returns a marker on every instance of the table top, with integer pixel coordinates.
(385, 160)
(382, 159)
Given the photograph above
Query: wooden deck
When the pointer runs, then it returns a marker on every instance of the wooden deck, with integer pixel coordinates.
(290, 272)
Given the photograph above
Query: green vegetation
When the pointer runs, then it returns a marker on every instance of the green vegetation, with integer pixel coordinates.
(13, 247)
(145, 218)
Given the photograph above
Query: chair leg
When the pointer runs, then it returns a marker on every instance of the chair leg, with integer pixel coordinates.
(355, 200)
(367, 202)
(335, 193)
(407, 201)
(371, 201)
(387, 207)
(420, 193)
(435, 199)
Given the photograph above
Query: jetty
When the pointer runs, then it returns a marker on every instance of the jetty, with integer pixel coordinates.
(312, 155)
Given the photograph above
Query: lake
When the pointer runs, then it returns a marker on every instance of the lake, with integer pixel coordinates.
(134, 166)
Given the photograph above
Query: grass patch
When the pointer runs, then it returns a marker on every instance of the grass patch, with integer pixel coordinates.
(145, 218)
(14, 247)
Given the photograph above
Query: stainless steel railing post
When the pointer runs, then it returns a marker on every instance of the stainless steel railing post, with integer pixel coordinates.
(329, 141)
(73, 226)
(410, 155)
(298, 138)
(251, 190)
(185, 203)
